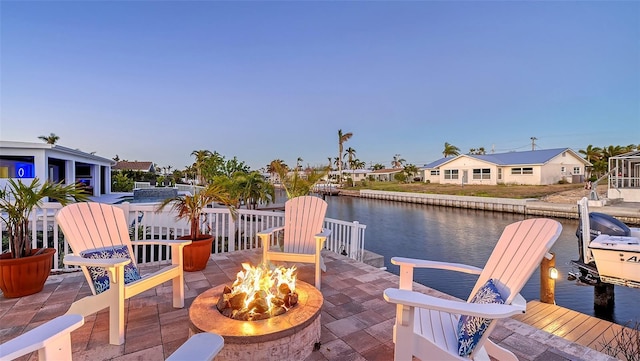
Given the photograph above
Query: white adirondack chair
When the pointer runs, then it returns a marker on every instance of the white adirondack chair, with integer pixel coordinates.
(427, 326)
(91, 227)
(52, 340)
(304, 236)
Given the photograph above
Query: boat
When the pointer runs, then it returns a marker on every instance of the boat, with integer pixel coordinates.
(611, 254)
(326, 189)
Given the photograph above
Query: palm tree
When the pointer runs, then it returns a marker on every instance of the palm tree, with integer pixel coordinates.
(358, 164)
(253, 189)
(397, 161)
(330, 168)
(612, 151)
(350, 153)
(410, 170)
(450, 150)
(591, 153)
(190, 172)
(296, 185)
(298, 165)
(336, 162)
(50, 139)
(274, 166)
(477, 151)
(341, 139)
(377, 166)
(201, 158)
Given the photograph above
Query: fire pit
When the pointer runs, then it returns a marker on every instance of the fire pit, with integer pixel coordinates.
(287, 336)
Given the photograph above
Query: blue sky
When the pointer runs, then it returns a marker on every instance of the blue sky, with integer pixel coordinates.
(151, 80)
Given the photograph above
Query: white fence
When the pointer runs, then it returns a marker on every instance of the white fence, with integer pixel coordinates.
(229, 234)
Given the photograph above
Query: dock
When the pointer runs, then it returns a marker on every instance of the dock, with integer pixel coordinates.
(573, 326)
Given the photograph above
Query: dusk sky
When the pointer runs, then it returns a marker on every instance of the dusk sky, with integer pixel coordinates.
(156, 80)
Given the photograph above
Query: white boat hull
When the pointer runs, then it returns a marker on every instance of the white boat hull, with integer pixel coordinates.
(617, 259)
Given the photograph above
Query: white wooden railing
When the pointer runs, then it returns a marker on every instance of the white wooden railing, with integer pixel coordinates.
(180, 187)
(229, 234)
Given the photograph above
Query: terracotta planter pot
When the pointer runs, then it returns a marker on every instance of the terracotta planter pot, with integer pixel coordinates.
(25, 276)
(196, 255)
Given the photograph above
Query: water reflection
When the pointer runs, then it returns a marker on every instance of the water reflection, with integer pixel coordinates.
(466, 236)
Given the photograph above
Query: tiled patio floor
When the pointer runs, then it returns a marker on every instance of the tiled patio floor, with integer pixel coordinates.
(356, 321)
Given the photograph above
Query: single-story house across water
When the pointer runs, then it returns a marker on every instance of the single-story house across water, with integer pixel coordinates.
(536, 167)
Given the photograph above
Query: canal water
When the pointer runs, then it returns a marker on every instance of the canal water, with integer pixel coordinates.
(467, 236)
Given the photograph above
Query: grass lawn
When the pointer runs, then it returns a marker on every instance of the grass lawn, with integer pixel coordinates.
(499, 191)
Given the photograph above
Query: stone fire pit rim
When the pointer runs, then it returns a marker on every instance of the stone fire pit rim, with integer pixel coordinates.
(302, 315)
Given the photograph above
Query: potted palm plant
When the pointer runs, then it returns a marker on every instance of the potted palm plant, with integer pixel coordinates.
(23, 270)
(190, 207)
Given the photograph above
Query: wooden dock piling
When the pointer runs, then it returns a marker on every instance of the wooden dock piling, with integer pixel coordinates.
(548, 275)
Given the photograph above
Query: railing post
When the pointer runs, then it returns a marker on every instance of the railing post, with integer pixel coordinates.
(354, 252)
(548, 275)
(232, 233)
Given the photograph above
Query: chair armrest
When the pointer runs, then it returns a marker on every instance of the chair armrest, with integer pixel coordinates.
(324, 234)
(269, 231)
(41, 336)
(201, 346)
(162, 242)
(487, 310)
(419, 263)
(73, 260)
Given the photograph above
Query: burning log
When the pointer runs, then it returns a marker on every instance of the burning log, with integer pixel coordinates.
(272, 296)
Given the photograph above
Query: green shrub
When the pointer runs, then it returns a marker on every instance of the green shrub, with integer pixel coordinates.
(121, 183)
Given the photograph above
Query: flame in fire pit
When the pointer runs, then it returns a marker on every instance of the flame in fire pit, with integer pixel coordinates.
(259, 292)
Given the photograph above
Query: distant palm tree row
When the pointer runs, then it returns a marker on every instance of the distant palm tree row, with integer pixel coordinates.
(599, 157)
(209, 165)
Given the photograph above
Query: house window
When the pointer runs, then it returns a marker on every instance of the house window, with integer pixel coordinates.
(482, 173)
(527, 170)
(450, 174)
(563, 169)
(576, 170)
(499, 173)
(435, 172)
(17, 167)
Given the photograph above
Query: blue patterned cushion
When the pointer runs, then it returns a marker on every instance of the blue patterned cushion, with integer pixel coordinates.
(100, 276)
(471, 328)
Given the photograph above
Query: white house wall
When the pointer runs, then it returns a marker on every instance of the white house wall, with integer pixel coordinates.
(42, 153)
(525, 179)
(552, 171)
(627, 194)
(40, 167)
(428, 178)
(468, 164)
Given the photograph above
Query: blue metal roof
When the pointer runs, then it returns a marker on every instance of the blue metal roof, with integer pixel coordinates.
(540, 156)
(527, 157)
(436, 163)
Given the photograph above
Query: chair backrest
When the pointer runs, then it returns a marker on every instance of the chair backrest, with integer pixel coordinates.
(92, 226)
(303, 218)
(517, 255)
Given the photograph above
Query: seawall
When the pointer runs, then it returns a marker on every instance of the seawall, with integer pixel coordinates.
(627, 212)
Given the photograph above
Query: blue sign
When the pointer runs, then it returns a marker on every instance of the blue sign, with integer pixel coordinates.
(24, 170)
